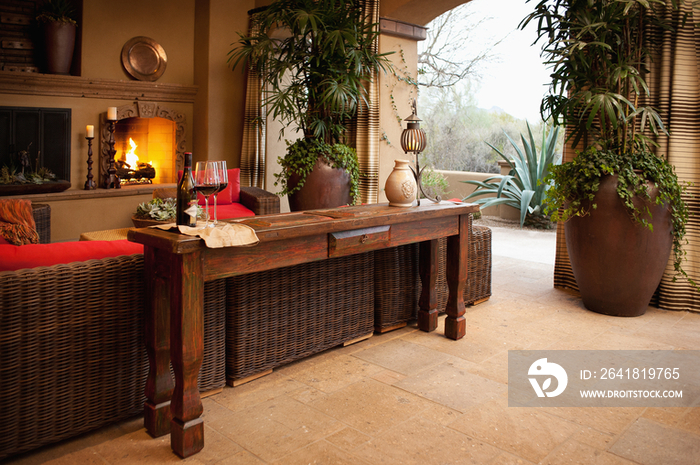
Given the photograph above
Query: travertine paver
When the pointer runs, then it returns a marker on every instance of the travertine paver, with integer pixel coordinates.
(411, 397)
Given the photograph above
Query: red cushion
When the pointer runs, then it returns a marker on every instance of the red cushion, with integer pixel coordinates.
(231, 194)
(233, 210)
(3, 241)
(16, 257)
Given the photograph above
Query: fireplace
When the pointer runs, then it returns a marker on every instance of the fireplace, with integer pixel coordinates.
(150, 131)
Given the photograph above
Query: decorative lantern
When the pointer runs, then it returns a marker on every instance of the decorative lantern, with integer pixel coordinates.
(413, 140)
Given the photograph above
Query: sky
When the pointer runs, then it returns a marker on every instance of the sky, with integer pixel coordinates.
(515, 80)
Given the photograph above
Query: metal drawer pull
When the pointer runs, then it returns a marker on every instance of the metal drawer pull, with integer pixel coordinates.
(364, 238)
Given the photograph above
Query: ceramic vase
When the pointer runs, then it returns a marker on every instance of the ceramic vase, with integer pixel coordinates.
(59, 40)
(400, 188)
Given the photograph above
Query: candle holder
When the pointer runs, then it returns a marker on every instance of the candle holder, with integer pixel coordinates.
(111, 179)
(90, 183)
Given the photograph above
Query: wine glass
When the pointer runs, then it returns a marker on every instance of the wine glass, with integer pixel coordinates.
(206, 181)
(223, 182)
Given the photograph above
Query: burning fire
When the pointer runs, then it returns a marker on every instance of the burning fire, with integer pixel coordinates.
(131, 158)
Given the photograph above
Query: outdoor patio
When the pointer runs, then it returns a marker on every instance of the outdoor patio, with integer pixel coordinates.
(413, 397)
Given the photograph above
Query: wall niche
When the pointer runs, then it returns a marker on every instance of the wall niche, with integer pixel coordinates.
(44, 133)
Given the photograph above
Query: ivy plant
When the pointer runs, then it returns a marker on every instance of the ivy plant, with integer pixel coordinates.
(575, 184)
(301, 157)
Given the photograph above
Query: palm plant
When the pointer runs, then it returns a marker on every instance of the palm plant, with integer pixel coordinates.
(522, 188)
(599, 51)
(315, 57)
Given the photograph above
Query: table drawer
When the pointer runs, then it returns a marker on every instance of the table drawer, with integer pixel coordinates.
(358, 240)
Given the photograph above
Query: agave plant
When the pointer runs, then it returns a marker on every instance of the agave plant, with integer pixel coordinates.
(522, 188)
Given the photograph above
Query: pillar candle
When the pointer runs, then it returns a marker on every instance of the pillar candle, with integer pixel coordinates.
(90, 130)
(112, 113)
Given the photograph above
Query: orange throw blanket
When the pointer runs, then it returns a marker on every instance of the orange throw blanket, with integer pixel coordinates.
(17, 222)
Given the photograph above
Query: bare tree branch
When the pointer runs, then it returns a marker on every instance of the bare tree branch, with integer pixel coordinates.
(449, 54)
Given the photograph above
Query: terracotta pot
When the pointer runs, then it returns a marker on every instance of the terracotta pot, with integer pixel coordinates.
(59, 43)
(618, 263)
(325, 187)
(400, 187)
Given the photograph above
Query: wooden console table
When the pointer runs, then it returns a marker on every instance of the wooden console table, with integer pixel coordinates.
(176, 267)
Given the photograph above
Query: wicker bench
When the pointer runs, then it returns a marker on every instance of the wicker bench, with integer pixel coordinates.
(42, 220)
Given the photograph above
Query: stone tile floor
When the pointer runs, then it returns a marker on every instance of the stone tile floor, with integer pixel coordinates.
(412, 397)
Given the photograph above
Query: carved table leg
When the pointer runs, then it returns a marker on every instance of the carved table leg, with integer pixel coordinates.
(159, 384)
(428, 269)
(456, 271)
(186, 352)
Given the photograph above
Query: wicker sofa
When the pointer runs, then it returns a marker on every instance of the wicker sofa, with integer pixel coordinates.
(71, 335)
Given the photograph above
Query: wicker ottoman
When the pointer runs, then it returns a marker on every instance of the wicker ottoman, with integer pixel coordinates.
(478, 288)
(278, 316)
(398, 285)
(106, 235)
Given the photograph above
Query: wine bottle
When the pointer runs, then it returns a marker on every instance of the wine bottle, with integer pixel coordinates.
(187, 196)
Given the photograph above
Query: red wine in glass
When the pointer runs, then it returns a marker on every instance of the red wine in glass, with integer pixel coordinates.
(223, 183)
(206, 181)
(207, 189)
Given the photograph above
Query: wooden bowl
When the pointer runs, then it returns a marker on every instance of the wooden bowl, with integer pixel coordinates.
(144, 223)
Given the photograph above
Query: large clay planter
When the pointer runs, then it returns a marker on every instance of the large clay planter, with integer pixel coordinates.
(325, 187)
(618, 263)
(59, 43)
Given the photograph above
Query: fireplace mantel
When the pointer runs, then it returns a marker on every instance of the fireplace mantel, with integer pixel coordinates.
(80, 87)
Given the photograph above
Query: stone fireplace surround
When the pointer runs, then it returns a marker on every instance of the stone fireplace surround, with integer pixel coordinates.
(140, 109)
(76, 210)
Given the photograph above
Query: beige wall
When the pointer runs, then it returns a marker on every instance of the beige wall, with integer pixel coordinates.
(221, 97)
(392, 91)
(70, 218)
(107, 26)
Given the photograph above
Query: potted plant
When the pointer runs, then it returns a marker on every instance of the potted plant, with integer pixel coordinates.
(158, 211)
(314, 58)
(622, 203)
(58, 27)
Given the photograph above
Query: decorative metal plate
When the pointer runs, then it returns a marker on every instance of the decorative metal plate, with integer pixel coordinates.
(144, 59)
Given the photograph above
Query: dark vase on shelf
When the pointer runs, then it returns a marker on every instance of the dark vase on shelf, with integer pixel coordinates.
(59, 43)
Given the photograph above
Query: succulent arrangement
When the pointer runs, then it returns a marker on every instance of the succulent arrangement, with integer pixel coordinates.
(161, 210)
(10, 174)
